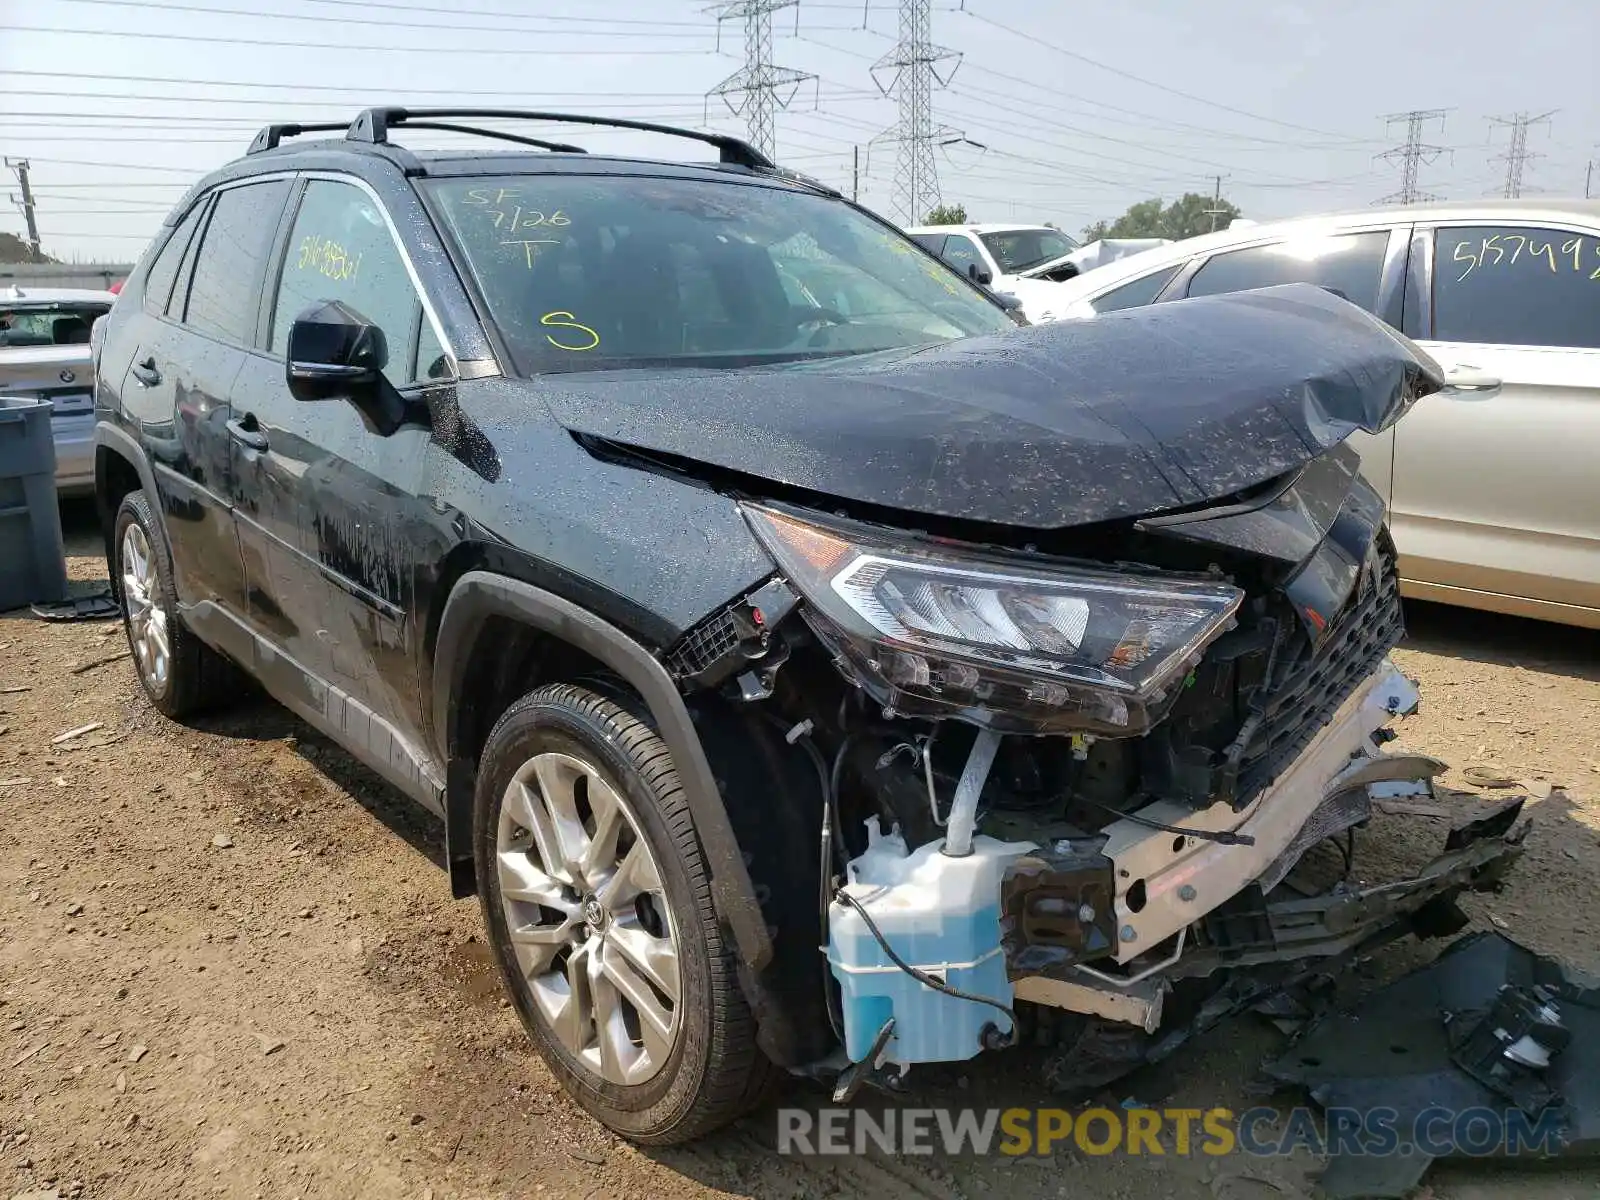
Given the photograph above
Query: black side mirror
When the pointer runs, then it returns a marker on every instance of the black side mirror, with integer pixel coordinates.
(1013, 307)
(978, 275)
(335, 353)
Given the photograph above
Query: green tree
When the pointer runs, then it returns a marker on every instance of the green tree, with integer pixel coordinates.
(948, 214)
(1187, 216)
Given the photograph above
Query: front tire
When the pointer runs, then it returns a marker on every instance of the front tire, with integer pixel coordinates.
(180, 674)
(598, 905)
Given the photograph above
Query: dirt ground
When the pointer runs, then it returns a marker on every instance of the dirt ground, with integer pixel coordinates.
(229, 964)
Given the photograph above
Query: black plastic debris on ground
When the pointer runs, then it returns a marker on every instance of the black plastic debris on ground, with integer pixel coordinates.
(1487, 1025)
(100, 606)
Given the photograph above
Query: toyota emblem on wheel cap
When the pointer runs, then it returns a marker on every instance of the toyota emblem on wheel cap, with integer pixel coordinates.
(67, 375)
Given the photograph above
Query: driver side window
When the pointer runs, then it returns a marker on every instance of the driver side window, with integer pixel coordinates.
(341, 249)
(960, 253)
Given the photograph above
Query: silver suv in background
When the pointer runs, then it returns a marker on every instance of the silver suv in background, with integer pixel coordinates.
(1492, 486)
(45, 352)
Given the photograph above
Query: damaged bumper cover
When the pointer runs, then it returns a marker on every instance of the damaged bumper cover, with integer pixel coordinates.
(1186, 908)
(1488, 1027)
(1166, 882)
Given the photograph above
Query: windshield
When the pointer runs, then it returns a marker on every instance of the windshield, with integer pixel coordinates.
(1022, 249)
(588, 272)
(48, 324)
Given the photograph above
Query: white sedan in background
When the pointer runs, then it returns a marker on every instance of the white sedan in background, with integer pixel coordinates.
(1493, 484)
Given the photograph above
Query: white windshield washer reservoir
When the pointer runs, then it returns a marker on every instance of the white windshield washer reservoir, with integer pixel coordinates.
(942, 916)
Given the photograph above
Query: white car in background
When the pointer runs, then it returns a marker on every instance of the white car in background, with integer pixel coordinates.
(1493, 484)
(45, 354)
(1028, 261)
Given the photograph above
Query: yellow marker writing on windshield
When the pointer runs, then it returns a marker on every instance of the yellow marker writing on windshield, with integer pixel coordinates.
(530, 247)
(565, 320)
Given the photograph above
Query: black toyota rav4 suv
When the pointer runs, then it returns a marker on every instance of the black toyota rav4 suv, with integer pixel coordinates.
(735, 579)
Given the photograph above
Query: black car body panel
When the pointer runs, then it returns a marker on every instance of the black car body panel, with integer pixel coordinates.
(366, 573)
(1055, 425)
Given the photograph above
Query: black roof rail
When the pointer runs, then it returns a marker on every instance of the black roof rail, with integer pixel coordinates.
(374, 125)
(561, 147)
(271, 135)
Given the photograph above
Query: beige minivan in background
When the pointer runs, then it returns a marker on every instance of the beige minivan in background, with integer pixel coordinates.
(1494, 484)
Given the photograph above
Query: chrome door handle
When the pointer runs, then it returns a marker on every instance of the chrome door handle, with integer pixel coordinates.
(245, 435)
(1464, 377)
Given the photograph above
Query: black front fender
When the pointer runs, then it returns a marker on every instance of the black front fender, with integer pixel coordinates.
(478, 596)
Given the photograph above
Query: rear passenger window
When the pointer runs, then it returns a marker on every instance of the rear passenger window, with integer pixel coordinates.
(1516, 286)
(158, 284)
(1349, 265)
(1139, 292)
(225, 293)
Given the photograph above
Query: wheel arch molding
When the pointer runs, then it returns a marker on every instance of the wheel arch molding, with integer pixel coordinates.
(111, 445)
(480, 596)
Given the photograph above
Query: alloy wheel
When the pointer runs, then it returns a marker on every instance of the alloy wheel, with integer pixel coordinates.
(141, 598)
(588, 919)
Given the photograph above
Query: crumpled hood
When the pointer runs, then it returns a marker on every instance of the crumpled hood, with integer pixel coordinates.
(1133, 413)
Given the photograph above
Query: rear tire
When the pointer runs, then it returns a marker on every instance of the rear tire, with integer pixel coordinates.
(180, 674)
(597, 901)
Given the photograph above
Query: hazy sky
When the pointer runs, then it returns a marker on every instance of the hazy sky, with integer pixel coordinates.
(1083, 107)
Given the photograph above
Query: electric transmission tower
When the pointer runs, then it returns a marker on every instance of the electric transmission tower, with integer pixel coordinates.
(1413, 154)
(1517, 155)
(912, 69)
(758, 89)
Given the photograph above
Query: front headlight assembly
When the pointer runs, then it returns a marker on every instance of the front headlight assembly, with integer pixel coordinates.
(936, 631)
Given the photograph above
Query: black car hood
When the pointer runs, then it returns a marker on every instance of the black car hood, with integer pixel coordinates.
(1127, 414)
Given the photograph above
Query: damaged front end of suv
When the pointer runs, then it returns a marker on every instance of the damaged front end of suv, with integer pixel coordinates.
(1084, 666)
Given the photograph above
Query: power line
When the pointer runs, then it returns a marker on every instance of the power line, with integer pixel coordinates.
(77, 162)
(347, 47)
(1151, 120)
(654, 32)
(1413, 153)
(1038, 121)
(1083, 58)
(915, 62)
(762, 87)
(55, 191)
(1517, 155)
(408, 8)
(292, 86)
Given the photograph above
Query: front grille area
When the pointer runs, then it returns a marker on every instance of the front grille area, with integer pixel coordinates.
(1322, 677)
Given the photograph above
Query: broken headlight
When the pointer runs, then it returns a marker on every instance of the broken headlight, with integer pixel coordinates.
(929, 629)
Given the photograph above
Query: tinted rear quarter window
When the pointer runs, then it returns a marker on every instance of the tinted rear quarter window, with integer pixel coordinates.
(1349, 265)
(225, 293)
(1137, 292)
(1516, 286)
(158, 284)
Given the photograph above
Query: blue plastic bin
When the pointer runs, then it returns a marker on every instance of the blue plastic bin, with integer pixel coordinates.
(33, 567)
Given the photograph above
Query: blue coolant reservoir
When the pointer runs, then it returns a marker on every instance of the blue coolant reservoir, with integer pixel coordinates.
(941, 915)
